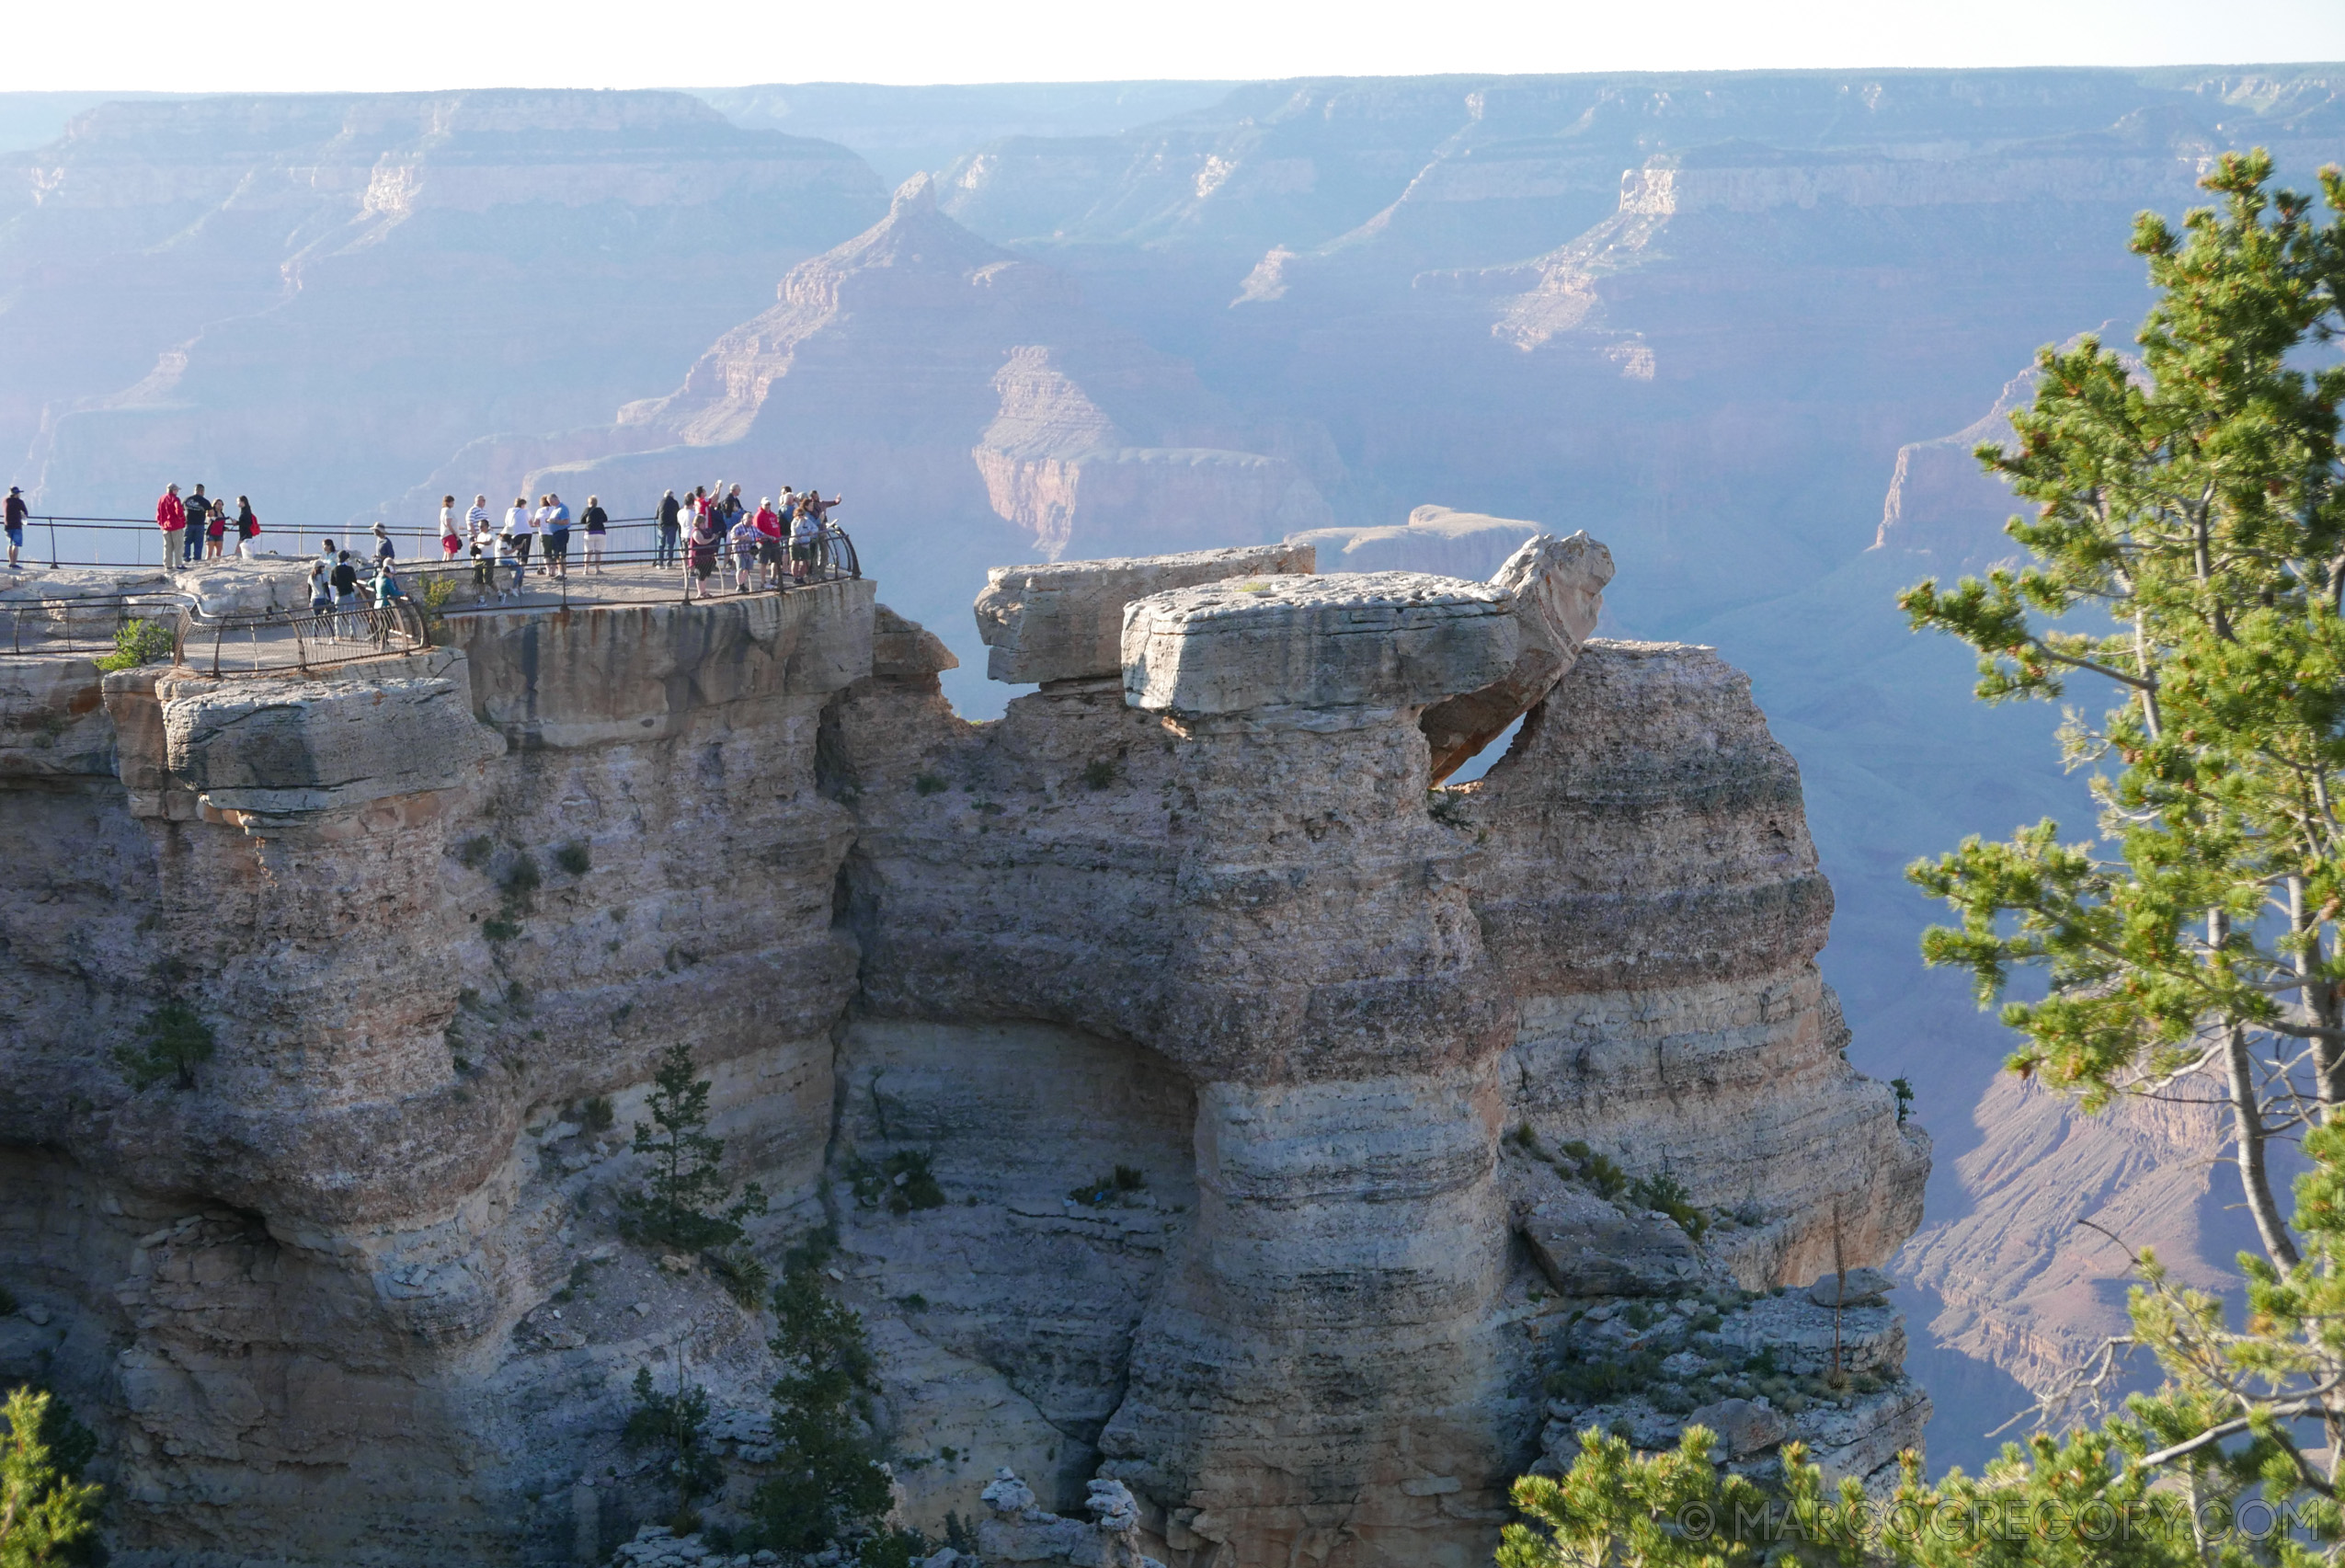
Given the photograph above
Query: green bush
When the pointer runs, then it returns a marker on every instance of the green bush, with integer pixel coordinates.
(1099, 772)
(596, 1116)
(1666, 1194)
(137, 643)
(174, 1041)
(574, 858)
(1101, 1191)
(899, 1184)
(928, 784)
(46, 1513)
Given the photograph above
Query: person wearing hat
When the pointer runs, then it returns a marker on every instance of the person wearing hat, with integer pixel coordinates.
(17, 513)
(383, 551)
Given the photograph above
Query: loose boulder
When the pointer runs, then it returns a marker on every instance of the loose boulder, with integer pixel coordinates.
(1586, 1246)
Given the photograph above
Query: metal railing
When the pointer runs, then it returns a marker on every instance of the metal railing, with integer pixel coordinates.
(472, 583)
(63, 624)
(279, 644)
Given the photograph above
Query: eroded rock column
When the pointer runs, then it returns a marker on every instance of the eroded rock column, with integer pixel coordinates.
(1318, 1379)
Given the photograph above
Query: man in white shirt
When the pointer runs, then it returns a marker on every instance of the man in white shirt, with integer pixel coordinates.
(520, 527)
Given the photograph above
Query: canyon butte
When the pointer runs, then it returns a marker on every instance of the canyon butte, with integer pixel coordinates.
(1743, 327)
(1370, 1064)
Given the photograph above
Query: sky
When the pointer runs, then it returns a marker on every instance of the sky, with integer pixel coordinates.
(375, 45)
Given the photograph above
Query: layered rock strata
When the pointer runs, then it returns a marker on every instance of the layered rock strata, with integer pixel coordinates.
(1204, 1021)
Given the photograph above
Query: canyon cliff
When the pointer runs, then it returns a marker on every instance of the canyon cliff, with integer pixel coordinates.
(1371, 1064)
(1709, 316)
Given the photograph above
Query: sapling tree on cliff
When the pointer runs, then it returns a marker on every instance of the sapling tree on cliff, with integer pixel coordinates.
(682, 1202)
(2188, 554)
(2188, 551)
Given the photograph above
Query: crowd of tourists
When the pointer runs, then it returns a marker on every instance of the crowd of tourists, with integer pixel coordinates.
(712, 535)
(721, 545)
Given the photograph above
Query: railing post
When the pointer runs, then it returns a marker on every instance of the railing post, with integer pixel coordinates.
(53, 543)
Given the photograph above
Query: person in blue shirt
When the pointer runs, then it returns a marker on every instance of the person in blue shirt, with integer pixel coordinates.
(556, 519)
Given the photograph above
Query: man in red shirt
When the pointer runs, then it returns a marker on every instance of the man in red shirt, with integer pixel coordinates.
(769, 544)
(170, 515)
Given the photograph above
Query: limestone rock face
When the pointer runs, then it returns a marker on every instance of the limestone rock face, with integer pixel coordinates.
(1388, 639)
(1557, 586)
(1649, 887)
(1065, 621)
(255, 746)
(1169, 1071)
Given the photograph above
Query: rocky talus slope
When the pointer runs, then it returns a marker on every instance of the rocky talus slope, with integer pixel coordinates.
(1300, 1135)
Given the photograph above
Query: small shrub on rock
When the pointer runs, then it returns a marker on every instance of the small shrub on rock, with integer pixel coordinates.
(174, 1041)
(899, 1184)
(137, 643)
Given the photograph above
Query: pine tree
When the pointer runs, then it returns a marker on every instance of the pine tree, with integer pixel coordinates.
(679, 1204)
(675, 1425)
(2188, 550)
(827, 1484)
(45, 1514)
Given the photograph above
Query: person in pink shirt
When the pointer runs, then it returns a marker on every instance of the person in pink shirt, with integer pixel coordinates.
(171, 517)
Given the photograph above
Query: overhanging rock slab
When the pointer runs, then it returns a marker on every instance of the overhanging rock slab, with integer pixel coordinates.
(1367, 639)
(1064, 621)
